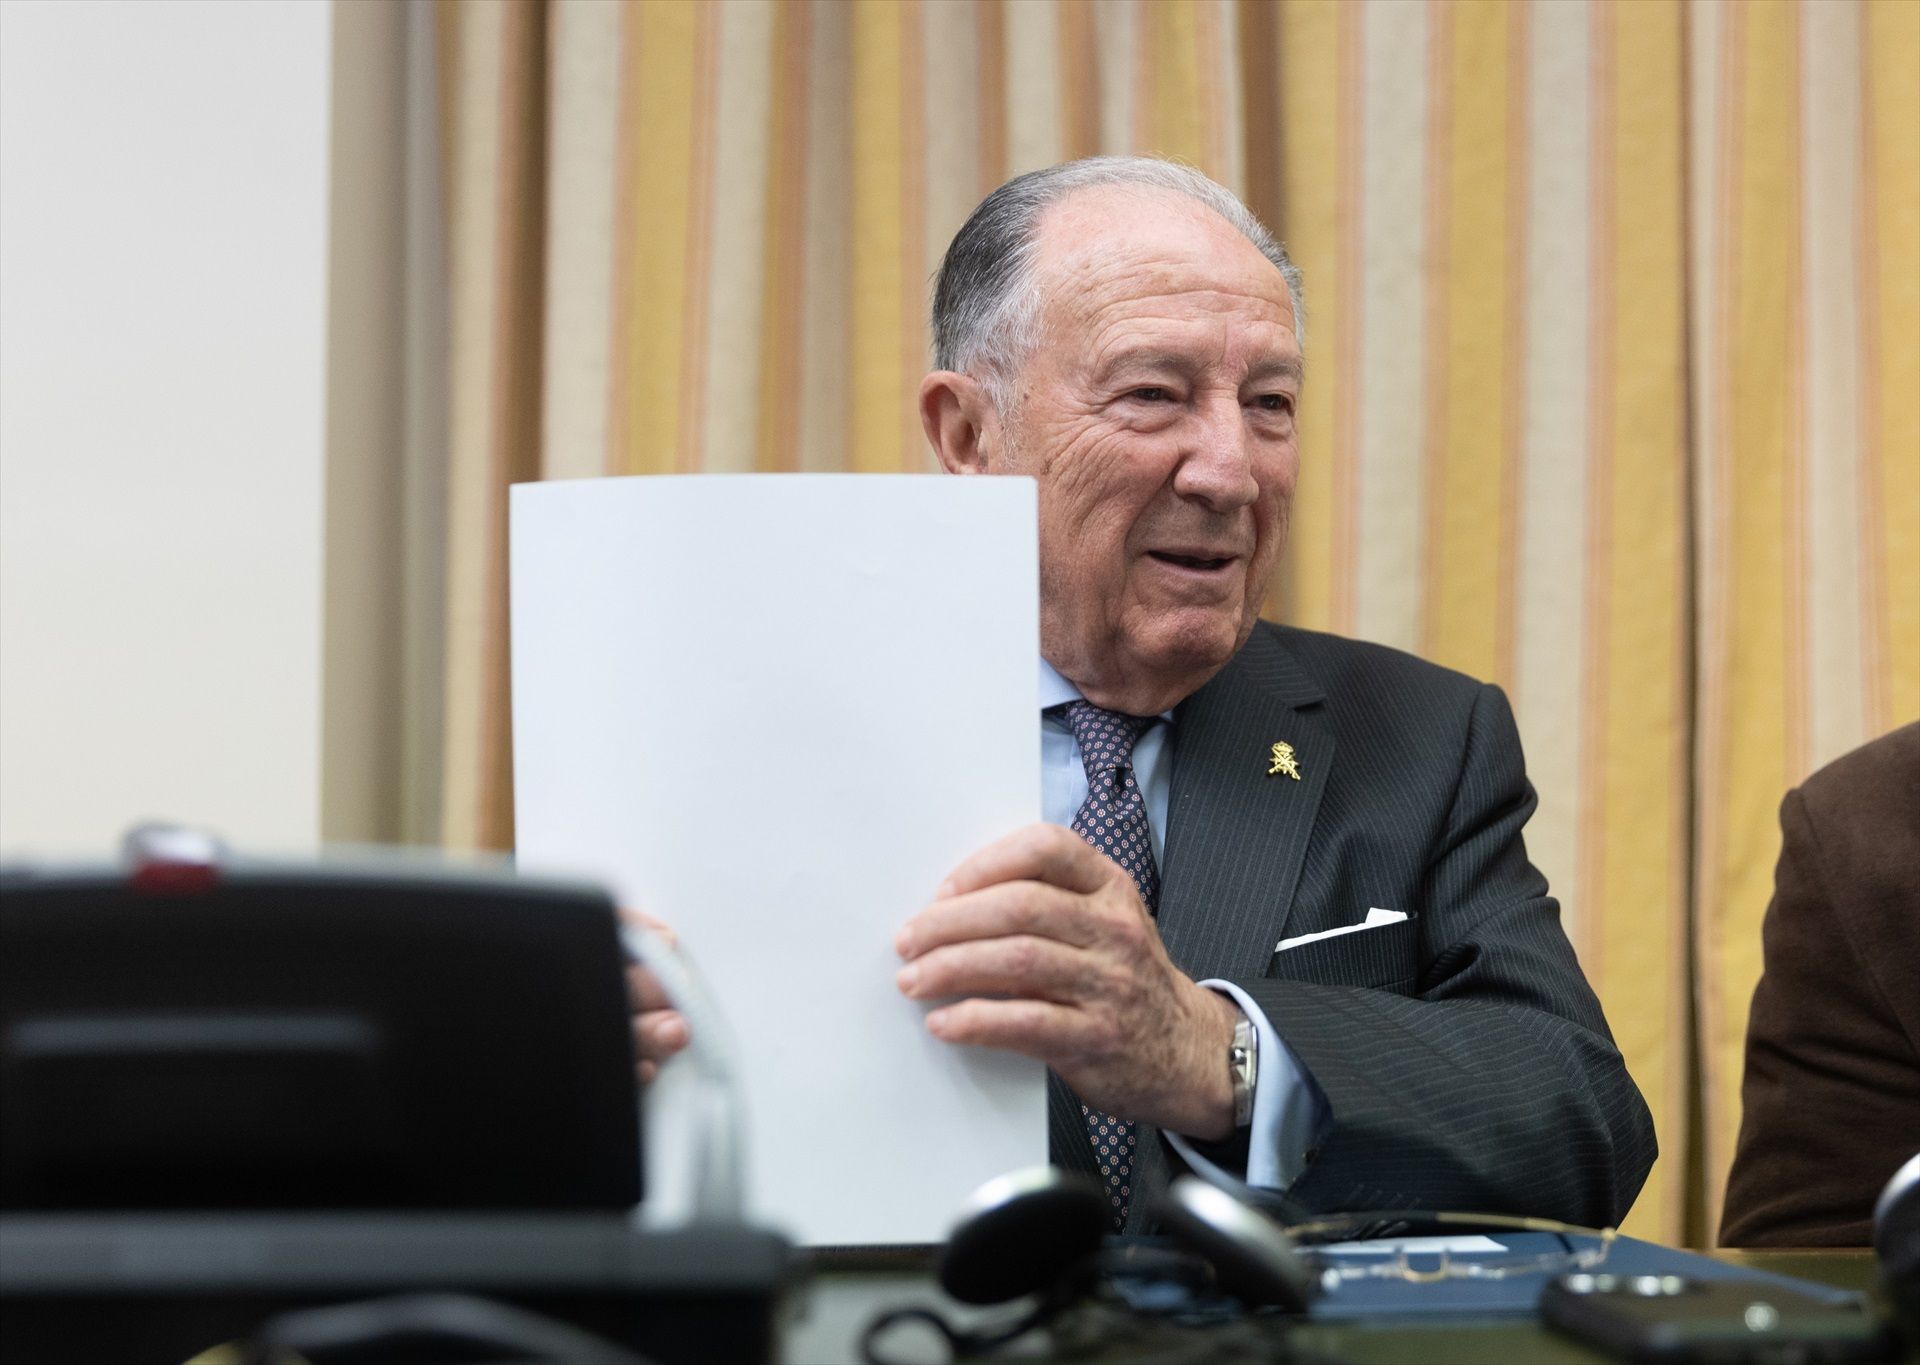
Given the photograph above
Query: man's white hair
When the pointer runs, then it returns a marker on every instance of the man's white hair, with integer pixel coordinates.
(986, 308)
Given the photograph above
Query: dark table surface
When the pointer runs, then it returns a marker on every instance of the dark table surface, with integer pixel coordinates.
(846, 1291)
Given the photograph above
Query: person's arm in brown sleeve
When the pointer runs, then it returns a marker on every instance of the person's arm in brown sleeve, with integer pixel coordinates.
(1832, 1090)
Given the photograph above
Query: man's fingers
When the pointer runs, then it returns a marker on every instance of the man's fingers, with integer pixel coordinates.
(646, 921)
(1007, 908)
(645, 991)
(1022, 966)
(659, 1030)
(658, 1034)
(1041, 853)
(1040, 1029)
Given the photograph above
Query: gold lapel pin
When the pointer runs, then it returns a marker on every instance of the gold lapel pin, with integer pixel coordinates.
(1284, 762)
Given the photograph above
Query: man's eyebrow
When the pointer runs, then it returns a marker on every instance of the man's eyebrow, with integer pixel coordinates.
(1146, 358)
(1154, 358)
(1280, 367)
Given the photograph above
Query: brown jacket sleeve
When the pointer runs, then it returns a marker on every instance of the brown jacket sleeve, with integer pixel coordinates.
(1832, 1090)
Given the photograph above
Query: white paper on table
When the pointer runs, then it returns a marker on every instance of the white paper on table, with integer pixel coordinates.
(1473, 1243)
(776, 710)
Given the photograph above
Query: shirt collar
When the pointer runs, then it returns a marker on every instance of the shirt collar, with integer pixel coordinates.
(1057, 691)
(1054, 689)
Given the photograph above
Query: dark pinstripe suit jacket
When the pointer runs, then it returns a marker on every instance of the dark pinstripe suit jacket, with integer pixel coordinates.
(1462, 1052)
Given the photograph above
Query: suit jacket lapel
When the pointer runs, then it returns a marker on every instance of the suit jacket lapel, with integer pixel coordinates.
(1236, 836)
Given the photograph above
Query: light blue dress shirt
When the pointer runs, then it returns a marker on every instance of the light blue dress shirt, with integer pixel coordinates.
(1289, 1110)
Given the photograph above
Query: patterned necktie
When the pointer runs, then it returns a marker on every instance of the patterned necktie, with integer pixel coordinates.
(1113, 819)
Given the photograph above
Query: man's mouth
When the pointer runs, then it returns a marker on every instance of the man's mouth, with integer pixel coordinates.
(1196, 559)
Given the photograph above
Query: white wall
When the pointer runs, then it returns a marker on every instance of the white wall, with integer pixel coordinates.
(163, 254)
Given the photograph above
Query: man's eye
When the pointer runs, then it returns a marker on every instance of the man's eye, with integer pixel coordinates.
(1275, 402)
(1152, 394)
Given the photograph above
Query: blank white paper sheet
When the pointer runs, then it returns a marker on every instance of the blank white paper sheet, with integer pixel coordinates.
(776, 710)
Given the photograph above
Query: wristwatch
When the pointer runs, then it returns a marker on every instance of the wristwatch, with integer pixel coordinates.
(1243, 1069)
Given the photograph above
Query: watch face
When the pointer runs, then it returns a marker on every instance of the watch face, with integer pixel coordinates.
(1240, 1069)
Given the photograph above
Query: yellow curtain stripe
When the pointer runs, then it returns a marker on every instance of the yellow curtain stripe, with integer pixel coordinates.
(1311, 165)
(1757, 378)
(1256, 47)
(582, 143)
(1892, 72)
(1590, 889)
(1079, 76)
(735, 294)
(1513, 322)
(1469, 483)
(1395, 370)
(1513, 398)
(1035, 100)
(877, 309)
(1213, 87)
(1347, 317)
(1171, 58)
(690, 443)
(514, 384)
(911, 452)
(473, 43)
(1638, 913)
(1830, 203)
(1550, 615)
(1712, 36)
(784, 281)
(991, 46)
(826, 337)
(661, 74)
(449, 19)
(1436, 323)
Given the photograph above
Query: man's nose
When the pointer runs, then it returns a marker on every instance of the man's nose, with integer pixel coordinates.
(1216, 468)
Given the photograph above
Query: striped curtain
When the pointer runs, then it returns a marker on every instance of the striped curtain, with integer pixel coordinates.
(1804, 305)
(1615, 368)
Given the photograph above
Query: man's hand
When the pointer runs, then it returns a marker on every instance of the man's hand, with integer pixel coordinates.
(659, 1030)
(1058, 930)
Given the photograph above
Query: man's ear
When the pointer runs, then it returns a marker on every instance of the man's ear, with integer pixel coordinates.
(960, 422)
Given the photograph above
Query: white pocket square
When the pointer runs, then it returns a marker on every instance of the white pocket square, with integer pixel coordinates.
(1375, 918)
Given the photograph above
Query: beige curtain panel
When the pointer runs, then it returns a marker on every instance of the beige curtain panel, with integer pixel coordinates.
(1614, 370)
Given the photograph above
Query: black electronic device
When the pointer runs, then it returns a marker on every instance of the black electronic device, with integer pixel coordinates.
(1896, 1240)
(1036, 1232)
(1677, 1318)
(103, 1288)
(1041, 1234)
(382, 1106)
(1022, 1233)
(1253, 1259)
(224, 1035)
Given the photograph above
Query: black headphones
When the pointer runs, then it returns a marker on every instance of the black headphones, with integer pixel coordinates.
(1042, 1231)
(1896, 1237)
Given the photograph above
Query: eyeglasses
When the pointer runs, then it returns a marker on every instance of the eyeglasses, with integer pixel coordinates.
(1336, 1269)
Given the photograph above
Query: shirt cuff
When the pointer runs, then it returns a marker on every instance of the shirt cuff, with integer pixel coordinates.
(1289, 1110)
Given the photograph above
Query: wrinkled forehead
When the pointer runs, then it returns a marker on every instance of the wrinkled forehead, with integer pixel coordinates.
(1130, 248)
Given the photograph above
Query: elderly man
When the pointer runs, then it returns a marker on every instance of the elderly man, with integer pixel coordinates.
(1217, 789)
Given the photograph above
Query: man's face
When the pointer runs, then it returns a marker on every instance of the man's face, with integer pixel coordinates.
(1157, 414)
